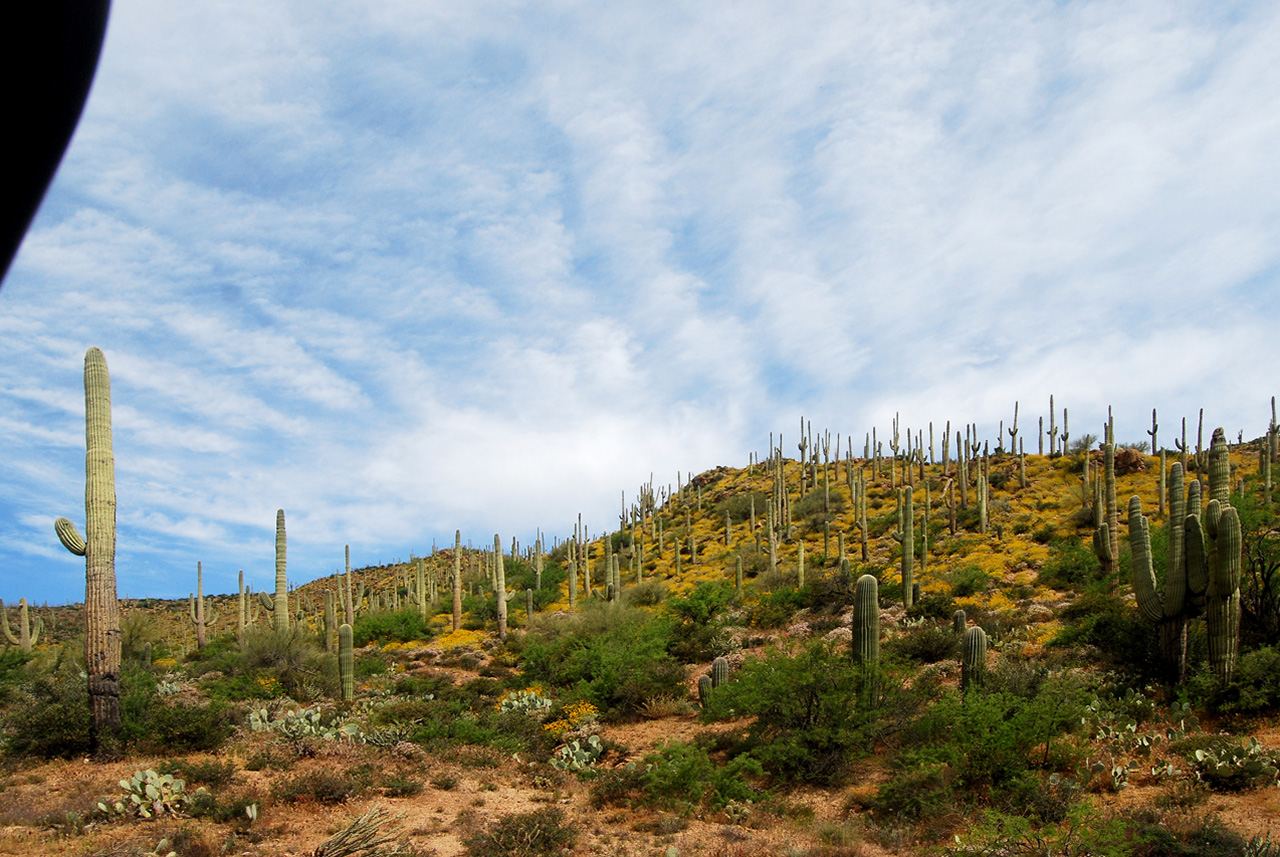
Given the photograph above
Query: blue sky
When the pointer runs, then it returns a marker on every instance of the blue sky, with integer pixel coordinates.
(401, 268)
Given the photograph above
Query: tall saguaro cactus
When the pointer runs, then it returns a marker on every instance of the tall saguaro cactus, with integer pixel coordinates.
(906, 536)
(500, 587)
(197, 611)
(346, 662)
(98, 547)
(866, 635)
(278, 606)
(457, 579)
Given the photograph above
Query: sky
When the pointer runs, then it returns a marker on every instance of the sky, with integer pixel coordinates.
(401, 268)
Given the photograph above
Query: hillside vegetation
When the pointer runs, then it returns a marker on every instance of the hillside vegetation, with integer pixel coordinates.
(973, 652)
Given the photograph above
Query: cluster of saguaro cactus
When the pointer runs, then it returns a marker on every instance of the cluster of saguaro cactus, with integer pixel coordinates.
(1217, 551)
(278, 606)
(98, 547)
(1204, 566)
(28, 634)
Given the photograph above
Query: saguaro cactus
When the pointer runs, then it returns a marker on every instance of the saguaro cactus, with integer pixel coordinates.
(973, 664)
(866, 634)
(98, 547)
(1106, 538)
(28, 634)
(457, 579)
(907, 538)
(346, 663)
(719, 672)
(278, 606)
(196, 609)
(500, 587)
(1214, 554)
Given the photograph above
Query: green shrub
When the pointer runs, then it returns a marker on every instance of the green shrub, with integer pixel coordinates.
(926, 645)
(185, 727)
(613, 656)
(304, 670)
(212, 773)
(775, 609)
(395, 785)
(697, 634)
(540, 833)
(739, 507)
(1071, 563)
(402, 626)
(51, 718)
(1254, 687)
(968, 580)
(1129, 643)
(808, 725)
(648, 594)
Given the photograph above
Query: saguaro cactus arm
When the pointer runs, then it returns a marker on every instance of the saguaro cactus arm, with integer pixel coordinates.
(69, 536)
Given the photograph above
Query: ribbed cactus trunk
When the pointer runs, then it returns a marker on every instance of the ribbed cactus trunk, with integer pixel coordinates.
(866, 636)
(907, 537)
(1106, 538)
(719, 672)
(346, 663)
(457, 579)
(330, 620)
(973, 664)
(98, 547)
(279, 605)
(500, 587)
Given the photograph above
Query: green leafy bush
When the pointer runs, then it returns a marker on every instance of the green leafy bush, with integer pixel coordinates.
(51, 718)
(322, 785)
(615, 657)
(1071, 564)
(678, 777)
(697, 634)
(402, 626)
(185, 727)
(808, 725)
(925, 645)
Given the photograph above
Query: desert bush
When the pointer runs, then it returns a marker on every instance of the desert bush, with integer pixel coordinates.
(1254, 687)
(775, 609)
(648, 594)
(739, 507)
(304, 670)
(808, 725)
(402, 626)
(697, 633)
(321, 784)
(212, 773)
(540, 833)
(185, 727)
(1071, 563)
(678, 777)
(613, 656)
(926, 645)
(968, 580)
(50, 718)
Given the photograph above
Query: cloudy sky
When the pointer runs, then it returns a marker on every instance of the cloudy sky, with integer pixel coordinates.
(401, 268)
